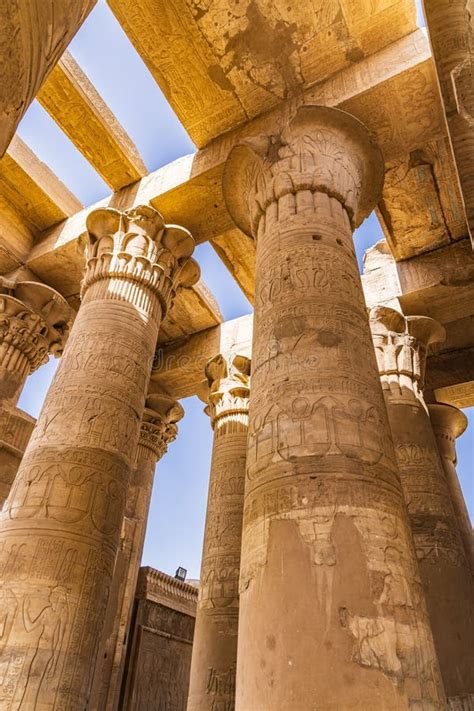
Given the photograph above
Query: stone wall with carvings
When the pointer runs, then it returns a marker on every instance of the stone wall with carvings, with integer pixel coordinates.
(160, 644)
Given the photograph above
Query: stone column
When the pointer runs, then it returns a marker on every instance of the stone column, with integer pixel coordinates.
(332, 613)
(34, 322)
(60, 526)
(158, 429)
(214, 659)
(401, 347)
(448, 424)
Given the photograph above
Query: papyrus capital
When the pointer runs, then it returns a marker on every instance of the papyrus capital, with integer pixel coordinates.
(137, 246)
(226, 389)
(320, 150)
(401, 345)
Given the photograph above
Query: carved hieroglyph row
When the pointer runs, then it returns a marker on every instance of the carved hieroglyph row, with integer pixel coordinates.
(61, 525)
(324, 515)
(214, 660)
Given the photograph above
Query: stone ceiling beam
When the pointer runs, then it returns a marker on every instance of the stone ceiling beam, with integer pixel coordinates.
(451, 30)
(33, 190)
(216, 64)
(33, 35)
(189, 190)
(76, 106)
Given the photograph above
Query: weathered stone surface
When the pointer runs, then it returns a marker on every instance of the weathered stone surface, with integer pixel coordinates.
(401, 344)
(33, 35)
(214, 660)
(321, 468)
(157, 430)
(160, 644)
(450, 26)
(217, 64)
(73, 102)
(378, 89)
(60, 527)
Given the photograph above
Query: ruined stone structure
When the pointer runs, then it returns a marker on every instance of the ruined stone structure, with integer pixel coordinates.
(338, 552)
(159, 650)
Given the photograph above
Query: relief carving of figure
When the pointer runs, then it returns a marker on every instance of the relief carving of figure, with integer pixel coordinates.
(51, 622)
(8, 610)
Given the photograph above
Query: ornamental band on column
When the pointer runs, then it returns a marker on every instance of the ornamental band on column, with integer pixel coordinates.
(213, 665)
(324, 511)
(61, 523)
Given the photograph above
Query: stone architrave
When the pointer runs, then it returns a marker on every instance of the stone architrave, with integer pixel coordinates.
(329, 587)
(60, 526)
(214, 659)
(401, 345)
(158, 429)
(448, 424)
(34, 323)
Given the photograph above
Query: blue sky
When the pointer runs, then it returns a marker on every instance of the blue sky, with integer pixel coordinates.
(176, 521)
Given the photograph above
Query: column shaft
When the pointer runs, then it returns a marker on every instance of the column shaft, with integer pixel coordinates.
(60, 527)
(449, 423)
(443, 565)
(214, 658)
(332, 615)
(157, 430)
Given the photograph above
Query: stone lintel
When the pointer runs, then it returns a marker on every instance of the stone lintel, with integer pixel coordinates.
(189, 190)
(33, 190)
(79, 110)
(214, 64)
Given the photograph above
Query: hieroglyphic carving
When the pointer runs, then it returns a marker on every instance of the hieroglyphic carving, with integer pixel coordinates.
(401, 344)
(421, 207)
(69, 497)
(323, 502)
(226, 392)
(216, 61)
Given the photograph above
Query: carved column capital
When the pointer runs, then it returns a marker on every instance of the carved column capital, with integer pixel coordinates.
(448, 423)
(159, 424)
(34, 322)
(401, 346)
(136, 247)
(226, 389)
(320, 150)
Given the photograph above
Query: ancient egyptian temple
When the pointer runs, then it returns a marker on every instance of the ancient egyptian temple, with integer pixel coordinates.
(337, 563)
